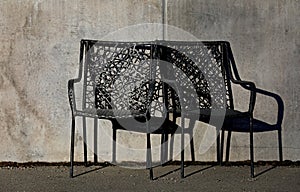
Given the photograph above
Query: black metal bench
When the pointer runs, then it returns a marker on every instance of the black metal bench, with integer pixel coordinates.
(130, 82)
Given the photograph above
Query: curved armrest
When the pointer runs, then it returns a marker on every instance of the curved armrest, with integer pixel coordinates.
(249, 86)
(279, 103)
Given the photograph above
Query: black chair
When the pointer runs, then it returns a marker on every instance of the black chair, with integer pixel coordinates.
(236, 121)
(195, 84)
(211, 67)
(120, 85)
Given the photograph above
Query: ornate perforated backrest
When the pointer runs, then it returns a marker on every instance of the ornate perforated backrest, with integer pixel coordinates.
(206, 66)
(129, 75)
(112, 73)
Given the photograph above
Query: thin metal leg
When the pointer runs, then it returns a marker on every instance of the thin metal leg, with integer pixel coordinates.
(72, 147)
(182, 147)
(151, 173)
(114, 153)
(218, 147)
(251, 149)
(222, 147)
(84, 141)
(162, 149)
(192, 147)
(280, 145)
(149, 156)
(228, 146)
(95, 140)
(190, 132)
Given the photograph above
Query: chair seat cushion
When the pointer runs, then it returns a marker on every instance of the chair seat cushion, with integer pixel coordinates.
(132, 120)
(156, 125)
(205, 114)
(242, 124)
(235, 120)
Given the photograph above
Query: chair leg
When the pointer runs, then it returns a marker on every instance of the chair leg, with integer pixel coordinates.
(218, 148)
(174, 117)
(95, 140)
(251, 150)
(84, 141)
(149, 156)
(222, 147)
(164, 148)
(190, 132)
(182, 147)
(72, 147)
(192, 147)
(114, 152)
(228, 146)
(280, 145)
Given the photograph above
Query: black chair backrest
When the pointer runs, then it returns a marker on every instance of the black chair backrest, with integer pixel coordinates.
(121, 75)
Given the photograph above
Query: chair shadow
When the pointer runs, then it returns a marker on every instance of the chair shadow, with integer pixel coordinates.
(198, 171)
(188, 175)
(264, 171)
(166, 174)
(90, 171)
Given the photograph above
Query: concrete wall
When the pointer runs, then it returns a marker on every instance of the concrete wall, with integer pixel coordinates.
(39, 53)
(265, 40)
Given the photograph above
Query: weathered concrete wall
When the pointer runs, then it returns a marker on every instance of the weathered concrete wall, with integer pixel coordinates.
(39, 53)
(264, 36)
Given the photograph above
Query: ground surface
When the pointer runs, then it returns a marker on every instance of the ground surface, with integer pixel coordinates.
(167, 178)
